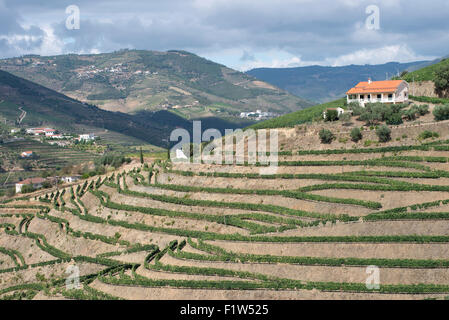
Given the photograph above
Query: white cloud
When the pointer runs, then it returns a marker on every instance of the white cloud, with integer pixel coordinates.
(396, 53)
(277, 33)
(275, 63)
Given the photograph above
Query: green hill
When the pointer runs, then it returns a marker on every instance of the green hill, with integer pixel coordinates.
(44, 106)
(299, 117)
(132, 80)
(425, 74)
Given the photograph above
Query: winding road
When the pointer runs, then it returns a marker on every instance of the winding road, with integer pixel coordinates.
(22, 115)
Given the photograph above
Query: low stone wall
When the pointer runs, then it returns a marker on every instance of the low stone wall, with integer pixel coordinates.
(423, 88)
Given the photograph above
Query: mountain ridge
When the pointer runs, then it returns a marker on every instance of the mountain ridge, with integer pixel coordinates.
(324, 84)
(133, 80)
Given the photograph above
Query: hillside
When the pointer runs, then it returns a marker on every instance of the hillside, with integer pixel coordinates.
(426, 73)
(323, 84)
(194, 231)
(299, 117)
(46, 107)
(132, 80)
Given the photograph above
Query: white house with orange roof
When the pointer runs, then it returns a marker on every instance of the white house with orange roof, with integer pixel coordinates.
(26, 154)
(388, 91)
(41, 131)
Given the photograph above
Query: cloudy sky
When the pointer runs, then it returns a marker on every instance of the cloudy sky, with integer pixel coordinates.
(241, 34)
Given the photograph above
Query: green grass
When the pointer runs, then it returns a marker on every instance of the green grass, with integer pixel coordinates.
(299, 117)
(426, 73)
(430, 99)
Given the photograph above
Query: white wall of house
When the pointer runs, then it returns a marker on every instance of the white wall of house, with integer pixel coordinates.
(19, 188)
(402, 94)
(69, 179)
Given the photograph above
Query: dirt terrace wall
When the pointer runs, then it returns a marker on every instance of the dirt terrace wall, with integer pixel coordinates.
(423, 88)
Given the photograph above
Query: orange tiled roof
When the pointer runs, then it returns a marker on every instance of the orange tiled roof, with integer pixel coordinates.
(387, 86)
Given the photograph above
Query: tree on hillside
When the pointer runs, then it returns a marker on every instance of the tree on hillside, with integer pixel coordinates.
(346, 118)
(331, 115)
(326, 136)
(441, 112)
(442, 81)
(356, 135)
(384, 133)
(141, 156)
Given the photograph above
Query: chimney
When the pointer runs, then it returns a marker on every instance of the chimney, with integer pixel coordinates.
(369, 80)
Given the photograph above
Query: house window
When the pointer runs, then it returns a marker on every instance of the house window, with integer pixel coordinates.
(379, 97)
(362, 97)
(390, 96)
(369, 97)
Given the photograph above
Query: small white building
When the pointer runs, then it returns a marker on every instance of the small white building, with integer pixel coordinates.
(339, 110)
(70, 179)
(35, 182)
(86, 137)
(389, 91)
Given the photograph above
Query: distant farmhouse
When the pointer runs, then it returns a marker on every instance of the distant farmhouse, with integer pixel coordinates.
(258, 115)
(27, 154)
(48, 132)
(70, 179)
(86, 137)
(389, 91)
(35, 182)
(339, 111)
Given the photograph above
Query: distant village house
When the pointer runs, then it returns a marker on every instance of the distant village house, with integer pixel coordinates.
(36, 183)
(339, 111)
(389, 91)
(70, 179)
(27, 154)
(41, 131)
(86, 137)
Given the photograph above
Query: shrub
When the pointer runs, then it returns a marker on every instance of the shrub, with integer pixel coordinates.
(331, 115)
(356, 135)
(357, 110)
(326, 136)
(384, 133)
(378, 112)
(410, 114)
(46, 184)
(442, 80)
(441, 112)
(28, 189)
(428, 134)
(345, 117)
(394, 119)
(423, 109)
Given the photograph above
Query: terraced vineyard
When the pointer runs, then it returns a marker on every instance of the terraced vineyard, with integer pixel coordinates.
(204, 231)
(49, 156)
